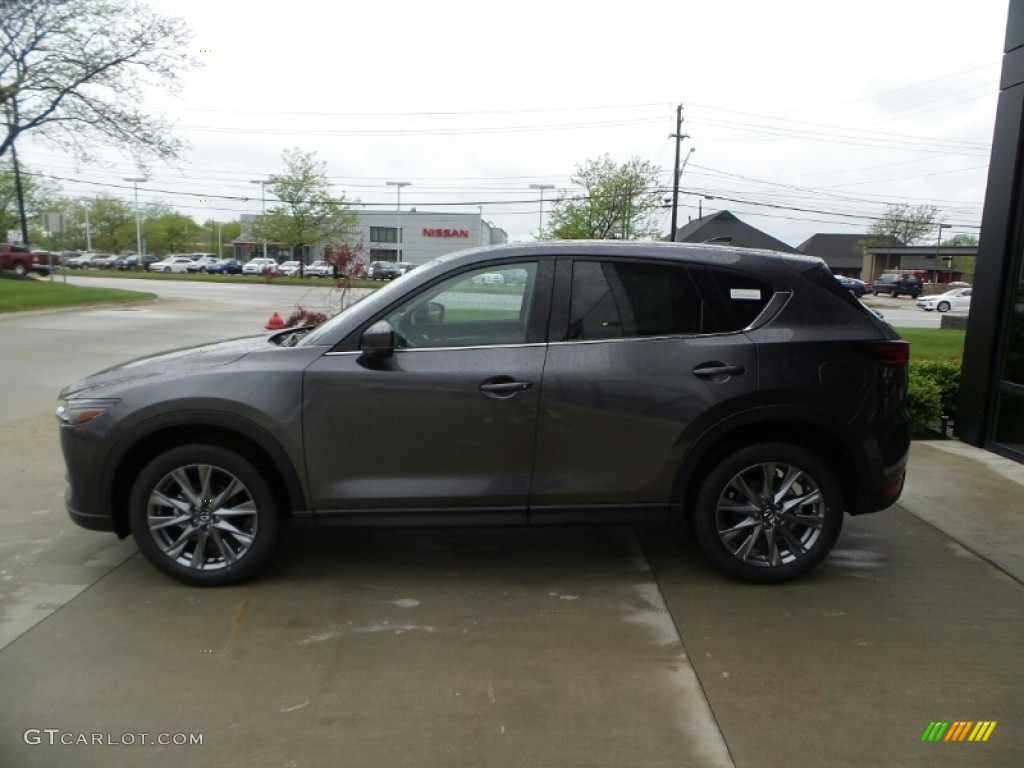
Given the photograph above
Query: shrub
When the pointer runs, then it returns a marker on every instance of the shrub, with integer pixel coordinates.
(303, 317)
(924, 401)
(945, 374)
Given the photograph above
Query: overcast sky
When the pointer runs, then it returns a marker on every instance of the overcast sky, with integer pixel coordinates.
(804, 117)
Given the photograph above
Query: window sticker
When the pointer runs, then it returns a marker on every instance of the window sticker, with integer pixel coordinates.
(745, 294)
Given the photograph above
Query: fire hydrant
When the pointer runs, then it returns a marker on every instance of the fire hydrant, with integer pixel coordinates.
(275, 323)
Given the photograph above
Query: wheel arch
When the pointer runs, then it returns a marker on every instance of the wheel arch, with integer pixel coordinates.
(234, 433)
(769, 426)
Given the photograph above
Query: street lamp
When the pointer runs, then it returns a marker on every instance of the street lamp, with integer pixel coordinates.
(938, 245)
(399, 185)
(263, 206)
(540, 221)
(138, 224)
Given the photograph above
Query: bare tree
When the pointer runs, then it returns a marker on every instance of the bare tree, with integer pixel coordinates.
(74, 72)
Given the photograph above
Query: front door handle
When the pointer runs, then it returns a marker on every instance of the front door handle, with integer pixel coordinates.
(716, 371)
(504, 386)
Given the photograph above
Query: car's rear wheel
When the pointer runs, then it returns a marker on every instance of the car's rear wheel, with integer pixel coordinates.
(943, 306)
(768, 513)
(204, 515)
(20, 269)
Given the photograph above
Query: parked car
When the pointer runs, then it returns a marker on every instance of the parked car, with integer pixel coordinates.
(136, 263)
(258, 266)
(895, 283)
(103, 261)
(958, 298)
(404, 267)
(201, 262)
(289, 268)
(85, 260)
(172, 264)
(319, 269)
(225, 267)
(383, 270)
(743, 391)
(856, 287)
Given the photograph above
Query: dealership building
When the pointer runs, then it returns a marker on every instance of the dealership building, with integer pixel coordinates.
(424, 236)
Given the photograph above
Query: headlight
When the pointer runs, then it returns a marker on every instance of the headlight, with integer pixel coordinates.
(75, 412)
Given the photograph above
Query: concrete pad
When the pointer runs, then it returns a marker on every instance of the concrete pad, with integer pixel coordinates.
(900, 627)
(482, 647)
(974, 496)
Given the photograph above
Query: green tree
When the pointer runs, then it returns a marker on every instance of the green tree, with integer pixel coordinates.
(72, 71)
(617, 201)
(112, 222)
(960, 241)
(308, 214)
(167, 233)
(963, 264)
(905, 223)
(39, 194)
(220, 234)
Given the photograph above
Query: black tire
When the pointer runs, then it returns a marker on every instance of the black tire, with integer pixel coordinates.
(226, 540)
(942, 306)
(783, 545)
(166, 270)
(20, 269)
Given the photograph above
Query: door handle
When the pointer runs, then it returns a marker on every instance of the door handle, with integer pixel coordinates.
(716, 371)
(504, 386)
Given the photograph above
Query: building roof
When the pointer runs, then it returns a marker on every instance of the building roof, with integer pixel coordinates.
(726, 228)
(840, 251)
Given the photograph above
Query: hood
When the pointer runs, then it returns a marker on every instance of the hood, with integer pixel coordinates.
(174, 363)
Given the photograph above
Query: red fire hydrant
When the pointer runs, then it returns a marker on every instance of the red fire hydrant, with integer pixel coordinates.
(275, 323)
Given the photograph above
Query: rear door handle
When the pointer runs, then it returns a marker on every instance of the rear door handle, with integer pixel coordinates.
(716, 371)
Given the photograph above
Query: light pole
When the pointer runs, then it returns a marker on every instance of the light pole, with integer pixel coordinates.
(263, 206)
(399, 185)
(540, 220)
(938, 245)
(138, 224)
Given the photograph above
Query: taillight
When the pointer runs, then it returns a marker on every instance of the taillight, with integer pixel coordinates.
(893, 353)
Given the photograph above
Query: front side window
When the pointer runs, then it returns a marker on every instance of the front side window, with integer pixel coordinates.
(482, 307)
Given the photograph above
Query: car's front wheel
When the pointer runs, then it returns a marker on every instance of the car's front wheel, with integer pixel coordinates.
(204, 515)
(943, 306)
(768, 513)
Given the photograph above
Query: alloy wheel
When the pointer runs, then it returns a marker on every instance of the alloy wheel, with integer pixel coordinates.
(202, 517)
(770, 514)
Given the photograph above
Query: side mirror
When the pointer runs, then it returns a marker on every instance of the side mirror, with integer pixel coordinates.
(378, 340)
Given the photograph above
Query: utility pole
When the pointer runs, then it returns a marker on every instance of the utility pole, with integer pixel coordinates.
(678, 136)
(540, 215)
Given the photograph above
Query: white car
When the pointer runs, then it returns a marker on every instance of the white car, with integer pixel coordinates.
(959, 298)
(289, 268)
(172, 264)
(319, 269)
(258, 266)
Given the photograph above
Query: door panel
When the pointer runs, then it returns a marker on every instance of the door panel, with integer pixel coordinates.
(424, 429)
(612, 414)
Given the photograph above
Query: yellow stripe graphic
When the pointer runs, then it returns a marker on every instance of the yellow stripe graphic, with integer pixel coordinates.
(983, 730)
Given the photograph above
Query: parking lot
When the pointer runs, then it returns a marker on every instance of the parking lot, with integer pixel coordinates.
(601, 646)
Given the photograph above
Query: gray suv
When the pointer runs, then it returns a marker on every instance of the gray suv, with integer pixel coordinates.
(742, 393)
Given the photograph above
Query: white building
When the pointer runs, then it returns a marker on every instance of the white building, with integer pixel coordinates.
(425, 235)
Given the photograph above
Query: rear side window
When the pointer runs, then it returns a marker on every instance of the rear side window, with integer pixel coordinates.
(614, 300)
